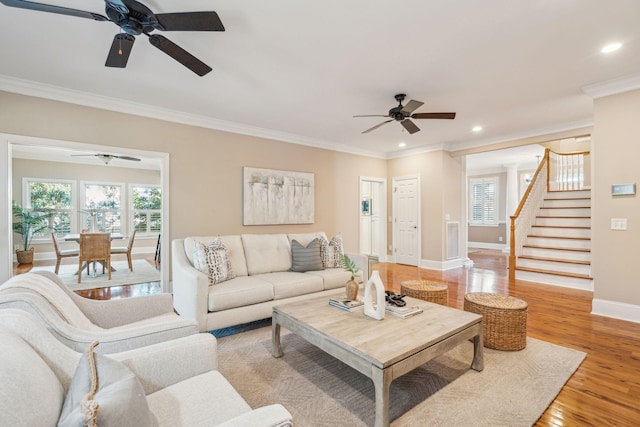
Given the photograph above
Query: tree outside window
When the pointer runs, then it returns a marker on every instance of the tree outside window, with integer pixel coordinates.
(55, 197)
(146, 208)
(105, 201)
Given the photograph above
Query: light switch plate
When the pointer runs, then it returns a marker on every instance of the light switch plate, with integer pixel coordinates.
(618, 223)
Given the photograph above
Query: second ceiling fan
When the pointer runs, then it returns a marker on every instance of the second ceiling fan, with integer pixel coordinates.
(403, 114)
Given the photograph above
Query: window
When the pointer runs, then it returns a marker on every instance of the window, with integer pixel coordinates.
(55, 196)
(146, 208)
(483, 193)
(105, 200)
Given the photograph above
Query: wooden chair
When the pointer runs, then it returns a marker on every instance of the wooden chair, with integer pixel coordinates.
(126, 249)
(95, 247)
(64, 253)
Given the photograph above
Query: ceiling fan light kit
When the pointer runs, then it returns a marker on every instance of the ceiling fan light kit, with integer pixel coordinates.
(134, 18)
(403, 114)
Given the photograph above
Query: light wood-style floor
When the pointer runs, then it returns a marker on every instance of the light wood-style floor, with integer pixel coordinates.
(604, 391)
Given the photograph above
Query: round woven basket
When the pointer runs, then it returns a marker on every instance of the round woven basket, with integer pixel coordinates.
(426, 290)
(504, 323)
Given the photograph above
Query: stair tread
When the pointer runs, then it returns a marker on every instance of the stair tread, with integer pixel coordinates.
(556, 273)
(553, 248)
(580, 227)
(569, 198)
(565, 207)
(558, 237)
(563, 217)
(566, 261)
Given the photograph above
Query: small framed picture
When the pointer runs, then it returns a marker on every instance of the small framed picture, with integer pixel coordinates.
(366, 207)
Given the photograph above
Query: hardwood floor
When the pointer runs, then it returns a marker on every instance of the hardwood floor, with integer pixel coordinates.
(604, 391)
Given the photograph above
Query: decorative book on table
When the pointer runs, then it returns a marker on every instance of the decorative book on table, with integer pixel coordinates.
(404, 312)
(346, 304)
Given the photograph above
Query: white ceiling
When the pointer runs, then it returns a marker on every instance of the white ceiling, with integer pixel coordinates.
(298, 71)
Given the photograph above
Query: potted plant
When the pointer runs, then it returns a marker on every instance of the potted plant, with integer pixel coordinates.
(352, 285)
(27, 223)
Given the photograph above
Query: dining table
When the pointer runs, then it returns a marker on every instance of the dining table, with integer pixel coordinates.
(75, 237)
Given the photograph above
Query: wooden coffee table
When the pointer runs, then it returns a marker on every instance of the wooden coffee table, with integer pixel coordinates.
(383, 350)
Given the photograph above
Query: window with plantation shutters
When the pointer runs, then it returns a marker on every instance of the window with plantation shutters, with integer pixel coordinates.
(483, 204)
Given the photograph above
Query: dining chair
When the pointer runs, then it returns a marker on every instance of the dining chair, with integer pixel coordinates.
(95, 247)
(126, 250)
(62, 253)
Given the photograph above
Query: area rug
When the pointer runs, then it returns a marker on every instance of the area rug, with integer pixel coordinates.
(514, 389)
(143, 272)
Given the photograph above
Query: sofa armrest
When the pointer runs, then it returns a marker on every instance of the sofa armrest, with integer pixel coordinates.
(190, 287)
(160, 365)
(113, 313)
(362, 262)
(267, 416)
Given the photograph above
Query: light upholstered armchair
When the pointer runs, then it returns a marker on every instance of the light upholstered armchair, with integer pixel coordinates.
(119, 325)
(172, 384)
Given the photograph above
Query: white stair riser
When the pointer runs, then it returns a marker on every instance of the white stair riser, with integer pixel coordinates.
(564, 222)
(561, 232)
(550, 279)
(553, 203)
(558, 243)
(557, 254)
(562, 267)
(565, 212)
(568, 194)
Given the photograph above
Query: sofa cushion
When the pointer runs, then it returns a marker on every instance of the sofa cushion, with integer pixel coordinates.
(266, 253)
(239, 292)
(233, 243)
(306, 258)
(214, 261)
(332, 252)
(332, 278)
(118, 395)
(30, 393)
(290, 284)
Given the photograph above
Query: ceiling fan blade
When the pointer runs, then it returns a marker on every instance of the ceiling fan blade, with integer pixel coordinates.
(53, 9)
(189, 21)
(372, 115)
(433, 116)
(179, 54)
(410, 126)
(377, 126)
(411, 106)
(135, 159)
(120, 50)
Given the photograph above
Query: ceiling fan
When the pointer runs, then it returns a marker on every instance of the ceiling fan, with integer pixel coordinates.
(402, 114)
(106, 158)
(134, 18)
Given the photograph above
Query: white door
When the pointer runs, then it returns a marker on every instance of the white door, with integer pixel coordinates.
(406, 220)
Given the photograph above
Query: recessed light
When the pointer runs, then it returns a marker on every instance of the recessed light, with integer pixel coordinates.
(402, 144)
(476, 128)
(611, 47)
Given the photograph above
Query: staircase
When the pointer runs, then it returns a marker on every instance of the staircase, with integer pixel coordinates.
(557, 248)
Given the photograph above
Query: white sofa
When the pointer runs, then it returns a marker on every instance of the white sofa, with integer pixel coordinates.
(261, 264)
(170, 384)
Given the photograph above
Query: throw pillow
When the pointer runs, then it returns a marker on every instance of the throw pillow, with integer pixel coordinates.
(306, 258)
(104, 392)
(214, 261)
(332, 251)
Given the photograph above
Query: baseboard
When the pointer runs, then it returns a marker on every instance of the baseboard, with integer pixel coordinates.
(617, 310)
(441, 265)
(483, 245)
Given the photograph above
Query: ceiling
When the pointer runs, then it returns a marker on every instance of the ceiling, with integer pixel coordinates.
(298, 71)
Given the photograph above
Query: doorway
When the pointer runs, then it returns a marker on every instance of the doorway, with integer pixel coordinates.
(406, 220)
(373, 211)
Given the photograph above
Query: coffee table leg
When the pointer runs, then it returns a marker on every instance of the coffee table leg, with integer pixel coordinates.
(381, 383)
(478, 352)
(275, 338)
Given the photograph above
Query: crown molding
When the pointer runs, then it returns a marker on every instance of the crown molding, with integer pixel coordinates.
(612, 87)
(57, 93)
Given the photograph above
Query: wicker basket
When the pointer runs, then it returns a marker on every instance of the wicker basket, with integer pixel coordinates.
(504, 322)
(426, 290)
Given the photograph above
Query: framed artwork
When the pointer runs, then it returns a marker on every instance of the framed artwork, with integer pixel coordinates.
(273, 197)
